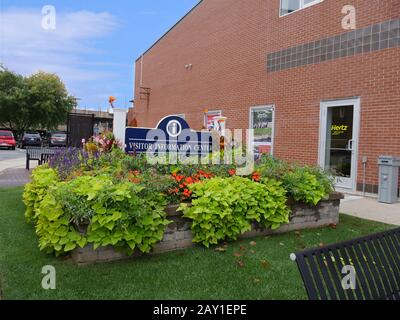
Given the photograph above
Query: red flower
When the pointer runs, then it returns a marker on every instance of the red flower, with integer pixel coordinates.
(187, 193)
(256, 176)
(189, 180)
(232, 172)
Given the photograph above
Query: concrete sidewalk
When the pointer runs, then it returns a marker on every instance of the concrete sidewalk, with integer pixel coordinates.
(369, 208)
(14, 177)
(17, 163)
(12, 169)
(12, 164)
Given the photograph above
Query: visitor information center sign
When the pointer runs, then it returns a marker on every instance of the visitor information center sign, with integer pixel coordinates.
(172, 134)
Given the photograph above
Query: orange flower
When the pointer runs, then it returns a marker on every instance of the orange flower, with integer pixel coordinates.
(189, 180)
(232, 172)
(256, 176)
(187, 193)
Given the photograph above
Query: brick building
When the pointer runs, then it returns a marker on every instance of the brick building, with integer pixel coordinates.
(314, 92)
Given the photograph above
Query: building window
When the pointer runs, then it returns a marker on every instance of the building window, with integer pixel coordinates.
(262, 136)
(289, 6)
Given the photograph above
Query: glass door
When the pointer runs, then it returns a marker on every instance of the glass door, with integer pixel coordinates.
(339, 142)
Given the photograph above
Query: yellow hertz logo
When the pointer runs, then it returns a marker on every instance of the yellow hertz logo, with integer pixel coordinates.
(338, 130)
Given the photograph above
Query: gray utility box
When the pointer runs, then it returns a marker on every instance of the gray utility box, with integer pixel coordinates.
(388, 179)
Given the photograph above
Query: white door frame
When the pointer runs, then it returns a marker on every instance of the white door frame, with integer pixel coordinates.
(356, 103)
(251, 136)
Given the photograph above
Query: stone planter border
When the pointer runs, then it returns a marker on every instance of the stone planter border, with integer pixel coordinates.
(179, 236)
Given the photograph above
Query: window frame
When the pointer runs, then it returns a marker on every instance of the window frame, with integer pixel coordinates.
(302, 6)
(251, 142)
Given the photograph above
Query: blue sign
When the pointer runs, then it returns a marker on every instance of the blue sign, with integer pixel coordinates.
(172, 135)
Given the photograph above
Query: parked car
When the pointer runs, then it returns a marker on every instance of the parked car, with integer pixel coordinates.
(7, 139)
(56, 139)
(31, 138)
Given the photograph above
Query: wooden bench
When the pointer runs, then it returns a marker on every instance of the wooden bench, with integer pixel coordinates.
(41, 155)
(374, 261)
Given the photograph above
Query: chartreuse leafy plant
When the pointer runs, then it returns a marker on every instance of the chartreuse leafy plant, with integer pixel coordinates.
(53, 227)
(42, 179)
(126, 215)
(224, 208)
(274, 204)
(307, 185)
(99, 211)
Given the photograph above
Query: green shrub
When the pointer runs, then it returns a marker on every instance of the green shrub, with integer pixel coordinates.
(275, 211)
(270, 167)
(53, 227)
(124, 215)
(223, 208)
(42, 179)
(307, 185)
(324, 178)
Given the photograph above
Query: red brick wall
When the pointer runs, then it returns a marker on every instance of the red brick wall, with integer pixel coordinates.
(227, 42)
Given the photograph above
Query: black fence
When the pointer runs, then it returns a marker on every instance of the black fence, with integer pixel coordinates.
(79, 126)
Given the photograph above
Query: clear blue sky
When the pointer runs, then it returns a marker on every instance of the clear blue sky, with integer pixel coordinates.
(94, 44)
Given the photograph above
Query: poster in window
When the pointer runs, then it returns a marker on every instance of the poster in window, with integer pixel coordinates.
(262, 122)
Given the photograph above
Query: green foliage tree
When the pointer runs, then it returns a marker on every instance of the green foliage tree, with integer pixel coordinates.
(39, 101)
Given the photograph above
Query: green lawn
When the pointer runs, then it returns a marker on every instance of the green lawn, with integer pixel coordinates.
(263, 272)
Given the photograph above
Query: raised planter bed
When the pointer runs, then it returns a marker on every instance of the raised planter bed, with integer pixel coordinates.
(178, 234)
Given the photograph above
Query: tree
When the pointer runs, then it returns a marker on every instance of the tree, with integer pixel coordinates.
(39, 101)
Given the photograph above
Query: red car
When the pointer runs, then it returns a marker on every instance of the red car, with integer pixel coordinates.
(7, 139)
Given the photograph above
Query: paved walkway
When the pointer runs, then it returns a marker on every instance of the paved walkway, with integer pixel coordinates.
(12, 168)
(369, 208)
(12, 159)
(14, 177)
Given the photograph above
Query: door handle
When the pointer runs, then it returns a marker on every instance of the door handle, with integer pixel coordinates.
(350, 145)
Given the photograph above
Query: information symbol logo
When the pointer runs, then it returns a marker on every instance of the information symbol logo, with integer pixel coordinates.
(174, 128)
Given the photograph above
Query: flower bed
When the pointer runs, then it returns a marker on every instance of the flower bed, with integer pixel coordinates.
(99, 197)
(178, 234)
